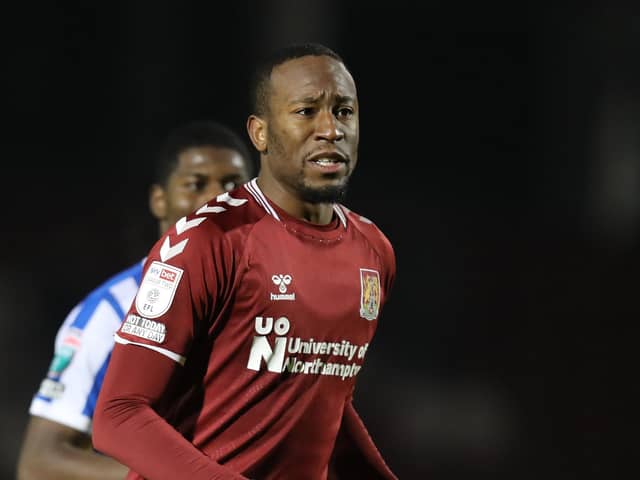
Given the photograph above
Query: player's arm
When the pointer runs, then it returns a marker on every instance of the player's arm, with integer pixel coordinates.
(355, 455)
(52, 451)
(127, 427)
(179, 290)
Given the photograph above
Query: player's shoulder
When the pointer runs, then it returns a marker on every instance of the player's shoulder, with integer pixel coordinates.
(129, 278)
(117, 291)
(368, 229)
(227, 212)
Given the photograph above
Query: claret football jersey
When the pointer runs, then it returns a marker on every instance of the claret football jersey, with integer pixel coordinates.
(271, 318)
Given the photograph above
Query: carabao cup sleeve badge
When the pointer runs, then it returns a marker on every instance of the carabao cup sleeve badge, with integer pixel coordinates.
(157, 290)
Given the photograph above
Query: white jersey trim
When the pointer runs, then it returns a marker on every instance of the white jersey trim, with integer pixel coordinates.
(341, 215)
(167, 353)
(253, 188)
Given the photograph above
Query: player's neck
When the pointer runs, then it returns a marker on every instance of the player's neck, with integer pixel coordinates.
(316, 213)
(319, 213)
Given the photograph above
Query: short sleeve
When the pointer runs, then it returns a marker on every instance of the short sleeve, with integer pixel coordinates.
(83, 345)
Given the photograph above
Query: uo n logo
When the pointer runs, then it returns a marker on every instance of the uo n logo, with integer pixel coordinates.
(282, 281)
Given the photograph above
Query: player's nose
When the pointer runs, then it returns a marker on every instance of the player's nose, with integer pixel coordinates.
(327, 127)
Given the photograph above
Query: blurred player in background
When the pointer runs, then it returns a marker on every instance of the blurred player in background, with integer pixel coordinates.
(239, 355)
(197, 162)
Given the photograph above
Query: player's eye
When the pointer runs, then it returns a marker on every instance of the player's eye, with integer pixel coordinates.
(344, 112)
(228, 186)
(195, 185)
(305, 112)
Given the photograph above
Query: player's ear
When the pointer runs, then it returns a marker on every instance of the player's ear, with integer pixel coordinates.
(257, 129)
(158, 201)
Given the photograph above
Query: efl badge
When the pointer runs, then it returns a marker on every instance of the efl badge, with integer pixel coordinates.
(369, 293)
(157, 289)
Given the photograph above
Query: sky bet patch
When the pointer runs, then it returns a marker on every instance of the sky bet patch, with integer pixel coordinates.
(157, 289)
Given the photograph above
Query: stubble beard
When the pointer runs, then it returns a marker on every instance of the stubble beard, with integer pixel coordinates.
(306, 192)
(326, 194)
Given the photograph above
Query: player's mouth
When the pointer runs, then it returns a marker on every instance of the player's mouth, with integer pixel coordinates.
(328, 162)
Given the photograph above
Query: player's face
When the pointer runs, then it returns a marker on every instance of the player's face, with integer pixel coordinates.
(312, 128)
(201, 174)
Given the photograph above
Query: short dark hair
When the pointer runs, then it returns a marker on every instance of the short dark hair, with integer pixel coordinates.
(260, 81)
(196, 134)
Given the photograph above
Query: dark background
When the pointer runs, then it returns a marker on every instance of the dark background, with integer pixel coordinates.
(500, 152)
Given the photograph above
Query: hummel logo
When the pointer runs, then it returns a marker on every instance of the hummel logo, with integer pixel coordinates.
(282, 281)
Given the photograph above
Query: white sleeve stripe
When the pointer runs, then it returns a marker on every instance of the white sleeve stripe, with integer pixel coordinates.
(167, 353)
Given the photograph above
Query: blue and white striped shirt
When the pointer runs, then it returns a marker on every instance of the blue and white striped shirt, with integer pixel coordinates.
(83, 348)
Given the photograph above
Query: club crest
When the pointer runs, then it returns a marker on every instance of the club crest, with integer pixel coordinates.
(369, 293)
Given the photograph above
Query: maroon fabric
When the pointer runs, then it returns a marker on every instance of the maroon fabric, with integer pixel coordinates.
(272, 316)
(125, 425)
